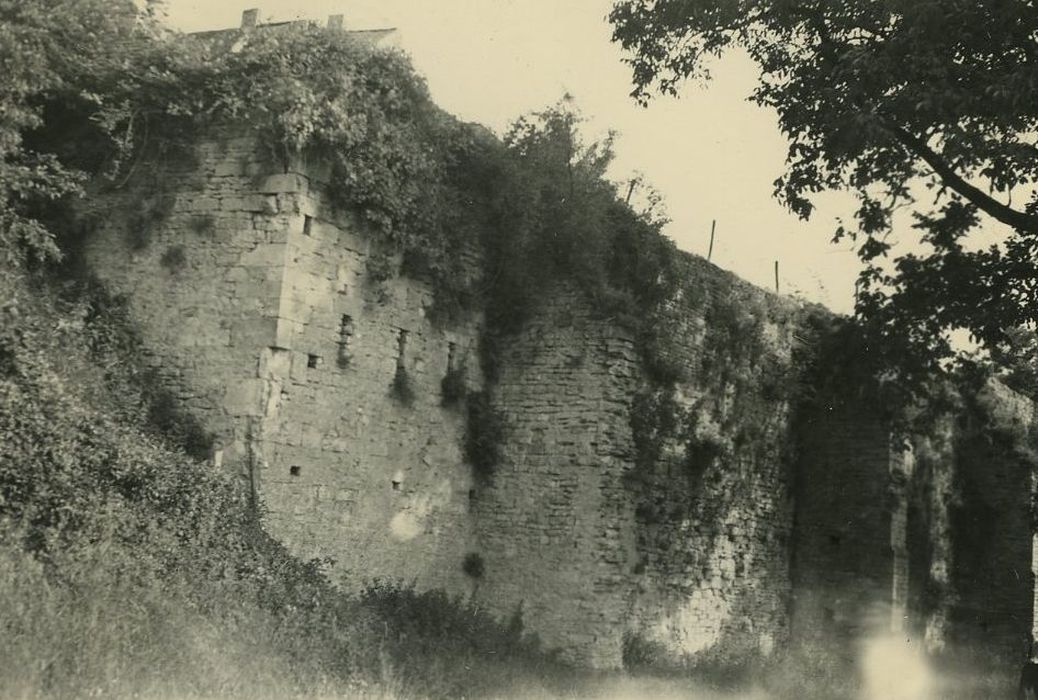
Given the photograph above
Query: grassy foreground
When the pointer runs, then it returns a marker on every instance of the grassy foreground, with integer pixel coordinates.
(130, 569)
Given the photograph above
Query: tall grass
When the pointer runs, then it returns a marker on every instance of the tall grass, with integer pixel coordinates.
(129, 569)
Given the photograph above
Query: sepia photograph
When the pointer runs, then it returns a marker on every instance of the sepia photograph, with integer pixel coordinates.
(518, 349)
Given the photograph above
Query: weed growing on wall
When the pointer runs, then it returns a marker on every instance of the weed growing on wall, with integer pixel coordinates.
(527, 211)
(453, 388)
(174, 259)
(473, 565)
(402, 388)
(128, 569)
(484, 434)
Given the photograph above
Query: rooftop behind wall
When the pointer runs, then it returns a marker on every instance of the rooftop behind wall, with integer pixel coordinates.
(227, 39)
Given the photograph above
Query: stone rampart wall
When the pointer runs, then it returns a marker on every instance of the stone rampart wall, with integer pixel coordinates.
(626, 520)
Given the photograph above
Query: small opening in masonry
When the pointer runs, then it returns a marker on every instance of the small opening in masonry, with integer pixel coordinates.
(312, 361)
(295, 470)
(308, 225)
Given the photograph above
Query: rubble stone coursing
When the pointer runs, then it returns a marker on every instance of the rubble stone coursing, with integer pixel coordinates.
(712, 526)
(846, 534)
(554, 517)
(272, 336)
(270, 331)
(991, 526)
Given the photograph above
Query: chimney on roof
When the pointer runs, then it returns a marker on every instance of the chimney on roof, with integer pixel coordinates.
(335, 22)
(249, 18)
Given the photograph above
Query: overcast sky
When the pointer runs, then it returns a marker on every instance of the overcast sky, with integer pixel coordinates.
(712, 154)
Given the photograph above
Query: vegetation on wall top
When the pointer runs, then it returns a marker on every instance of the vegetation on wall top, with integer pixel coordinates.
(536, 205)
(913, 105)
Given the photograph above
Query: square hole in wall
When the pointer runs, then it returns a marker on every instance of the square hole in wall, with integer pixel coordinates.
(295, 470)
(312, 361)
(308, 225)
(396, 485)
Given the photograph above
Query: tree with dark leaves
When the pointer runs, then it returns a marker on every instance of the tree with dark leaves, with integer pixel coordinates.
(51, 52)
(925, 104)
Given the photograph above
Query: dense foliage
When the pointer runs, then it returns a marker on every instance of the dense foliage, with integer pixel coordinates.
(536, 206)
(889, 100)
(52, 50)
(437, 195)
(99, 505)
(129, 569)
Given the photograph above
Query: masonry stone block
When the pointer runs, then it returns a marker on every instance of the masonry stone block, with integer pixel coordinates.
(265, 255)
(596, 545)
(254, 333)
(245, 398)
(280, 183)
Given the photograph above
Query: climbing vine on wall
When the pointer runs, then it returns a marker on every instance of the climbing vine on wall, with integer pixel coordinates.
(533, 208)
(435, 192)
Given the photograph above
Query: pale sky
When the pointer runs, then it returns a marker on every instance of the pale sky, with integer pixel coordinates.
(712, 154)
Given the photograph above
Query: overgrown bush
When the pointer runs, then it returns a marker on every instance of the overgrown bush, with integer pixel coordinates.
(452, 648)
(402, 389)
(473, 565)
(128, 569)
(174, 259)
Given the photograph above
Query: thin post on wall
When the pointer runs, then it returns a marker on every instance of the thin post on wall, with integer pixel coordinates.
(710, 252)
(776, 278)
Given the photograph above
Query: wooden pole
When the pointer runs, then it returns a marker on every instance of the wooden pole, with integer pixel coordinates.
(776, 278)
(710, 252)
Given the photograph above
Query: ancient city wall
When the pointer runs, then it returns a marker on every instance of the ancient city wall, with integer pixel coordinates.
(991, 524)
(269, 328)
(712, 498)
(554, 518)
(849, 524)
(263, 321)
(198, 248)
(631, 518)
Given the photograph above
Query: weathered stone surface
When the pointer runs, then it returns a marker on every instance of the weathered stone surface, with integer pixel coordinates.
(273, 335)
